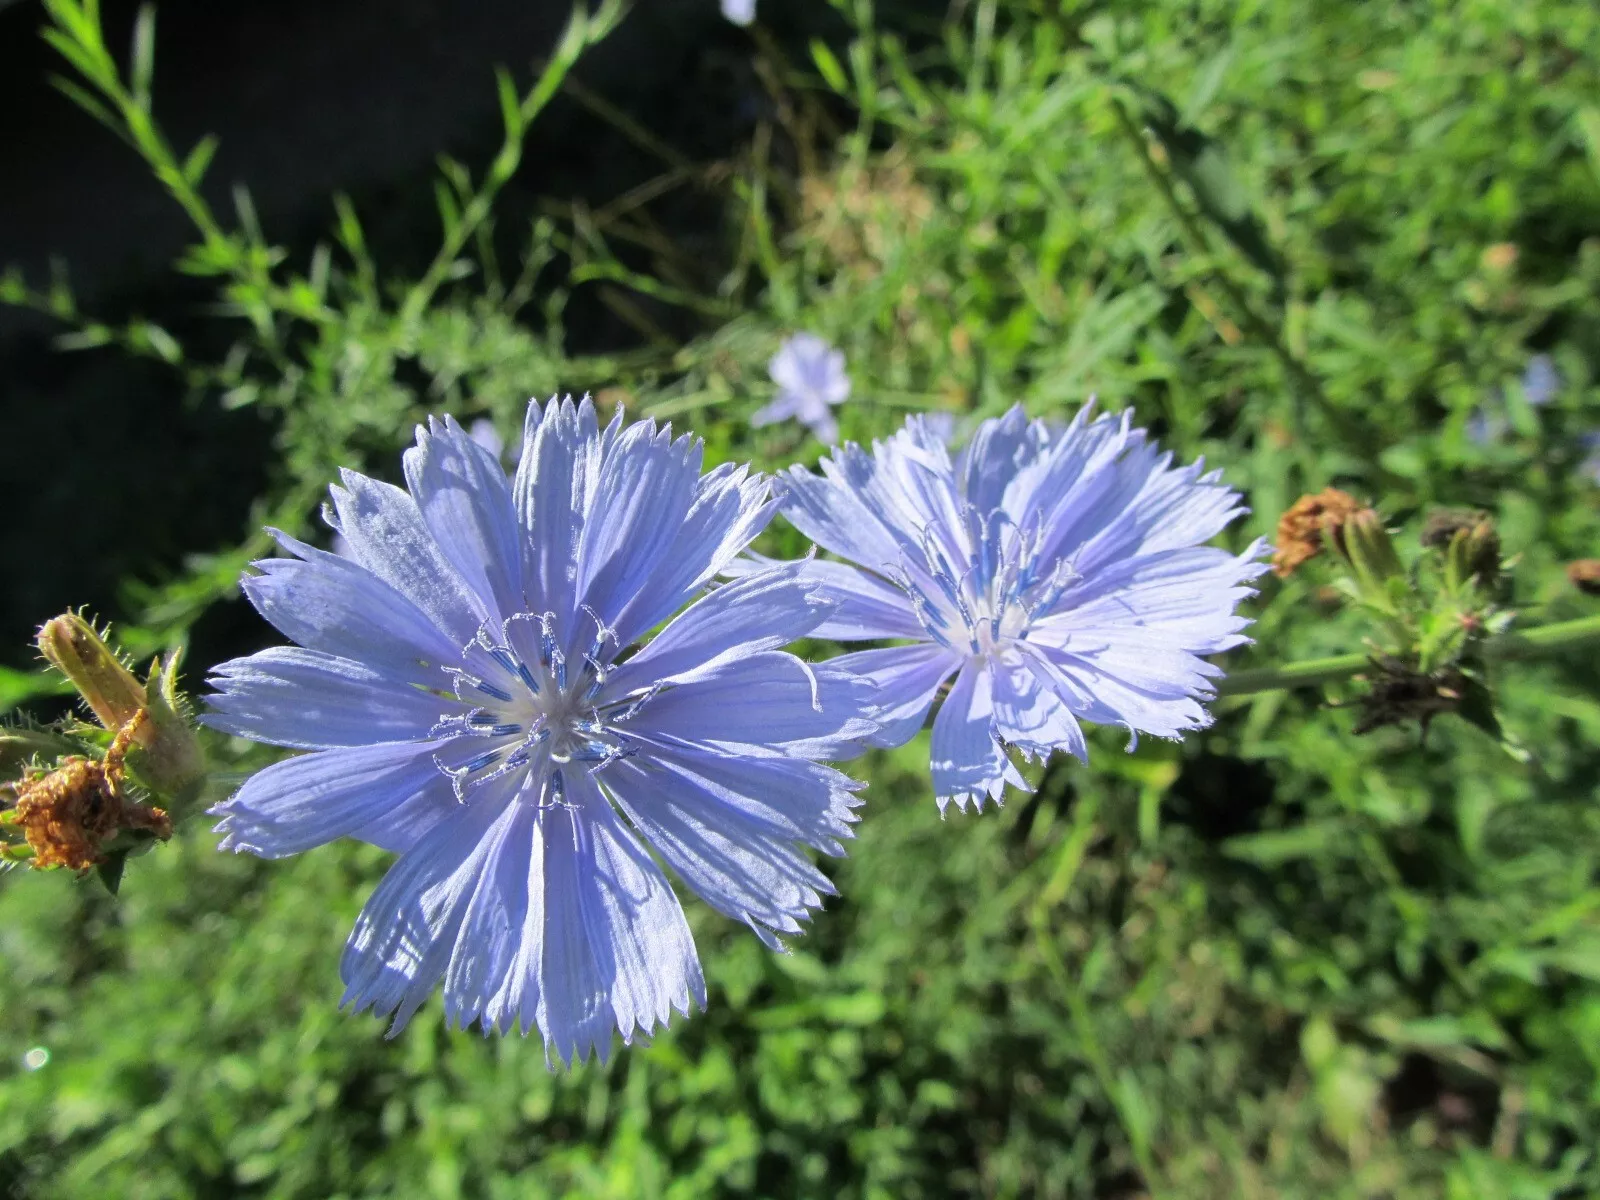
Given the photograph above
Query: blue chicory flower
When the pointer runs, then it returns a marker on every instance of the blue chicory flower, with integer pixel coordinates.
(1058, 574)
(811, 378)
(486, 435)
(1540, 381)
(740, 12)
(1590, 467)
(468, 682)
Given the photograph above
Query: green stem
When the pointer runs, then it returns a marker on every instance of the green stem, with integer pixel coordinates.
(1508, 647)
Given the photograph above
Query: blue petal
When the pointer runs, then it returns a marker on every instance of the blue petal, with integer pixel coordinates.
(968, 764)
(832, 515)
(462, 493)
(316, 798)
(906, 679)
(411, 928)
(646, 486)
(759, 612)
(495, 920)
(553, 490)
(744, 867)
(309, 700)
(330, 603)
(1029, 714)
(730, 508)
(769, 699)
(1180, 599)
(797, 799)
(617, 951)
(1096, 689)
(865, 607)
(989, 468)
(387, 535)
(785, 406)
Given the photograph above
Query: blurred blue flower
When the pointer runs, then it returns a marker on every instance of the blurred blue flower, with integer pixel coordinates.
(472, 694)
(1056, 573)
(810, 377)
(740, 12)
(1483, 427)
(1540, 381)
(486, 435)
(1590, 466)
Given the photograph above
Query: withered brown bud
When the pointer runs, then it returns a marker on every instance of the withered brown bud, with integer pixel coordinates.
(1585, 575)
(69, 815)
(1301, 528)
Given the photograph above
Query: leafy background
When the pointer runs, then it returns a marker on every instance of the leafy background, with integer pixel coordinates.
(1310, 241)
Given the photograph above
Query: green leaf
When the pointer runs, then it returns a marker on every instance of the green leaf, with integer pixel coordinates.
(142, 67)
(828, 67)
(1200, 162)
(199, 160)
(1280, 846)
(16, 687)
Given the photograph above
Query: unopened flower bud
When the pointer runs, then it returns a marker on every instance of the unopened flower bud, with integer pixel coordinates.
(170, 759)
(72, 646)
(1469, 541)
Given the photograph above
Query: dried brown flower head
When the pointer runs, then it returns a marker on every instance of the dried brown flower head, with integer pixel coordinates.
(1301, 528)
(69, 814)
(1585, 575)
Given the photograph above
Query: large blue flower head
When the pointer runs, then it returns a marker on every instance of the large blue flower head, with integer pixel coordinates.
(469, 682)
(1058, 574)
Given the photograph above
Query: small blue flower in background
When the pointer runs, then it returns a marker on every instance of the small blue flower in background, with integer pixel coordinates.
(1056, 573)
(486, 435)
(1483, 427)
(1590, 466)
(1540, 381)
(811, 378)
(740, 12)
(468, 682)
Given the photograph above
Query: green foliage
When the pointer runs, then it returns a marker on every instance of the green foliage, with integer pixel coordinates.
(1309, 241)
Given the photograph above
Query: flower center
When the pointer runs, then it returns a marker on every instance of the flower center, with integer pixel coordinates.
(531, 710)
(979, 585)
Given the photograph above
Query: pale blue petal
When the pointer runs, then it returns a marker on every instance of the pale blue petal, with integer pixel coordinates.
(759, 612)
(325, 602)
(968, 764)
(833, 516)
(618, 955)
(647, 484)
(553, 491)
(387, 535)
(731, 506)
(769, 699)
(309, 700)
(865, 607)
(1030, 715)
(316, 798)
(784, 407)
(1096, 690)
(465, 500)
(1001, 451)
(797, 799)
(905, 680)
(410, 928)
(495, 919)
(744, 867)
